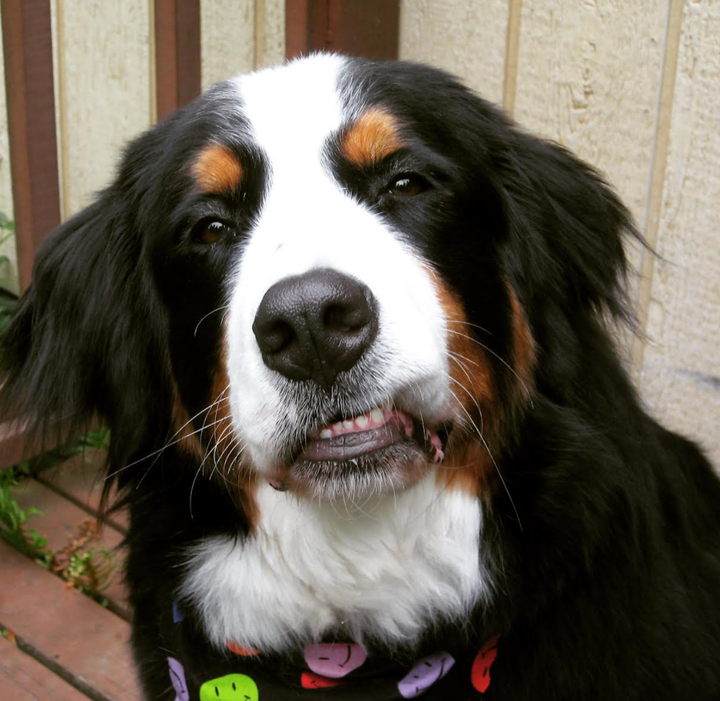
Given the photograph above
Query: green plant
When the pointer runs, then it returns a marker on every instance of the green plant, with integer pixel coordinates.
(13, 518)
(86, 568)
(80, 564)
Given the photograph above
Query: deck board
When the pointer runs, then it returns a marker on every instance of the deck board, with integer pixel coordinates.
(80, 480)
(66, 631)
(60, 521)
(23, 678)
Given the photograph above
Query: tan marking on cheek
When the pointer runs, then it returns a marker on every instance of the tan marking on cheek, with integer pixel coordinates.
(216, 170)
(523, 343)
(467, 466)
(469, 368)
(467, 459)
(374, 136)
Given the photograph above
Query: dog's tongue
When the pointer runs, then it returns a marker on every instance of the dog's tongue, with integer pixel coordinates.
(352, 438)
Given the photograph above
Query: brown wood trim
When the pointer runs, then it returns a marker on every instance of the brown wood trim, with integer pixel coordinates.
(369, 28)
(76, 638)
(27, 39)
(177, 54)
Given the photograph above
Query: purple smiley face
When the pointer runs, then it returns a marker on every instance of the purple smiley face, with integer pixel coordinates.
(424, 674)
(177, 677)
(334, 660)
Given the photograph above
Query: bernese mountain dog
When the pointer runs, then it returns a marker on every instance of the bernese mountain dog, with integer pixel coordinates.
(353, 334)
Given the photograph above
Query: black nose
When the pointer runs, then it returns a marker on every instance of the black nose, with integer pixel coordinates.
(315, 325)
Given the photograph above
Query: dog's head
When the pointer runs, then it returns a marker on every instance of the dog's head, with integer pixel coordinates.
(328, 276)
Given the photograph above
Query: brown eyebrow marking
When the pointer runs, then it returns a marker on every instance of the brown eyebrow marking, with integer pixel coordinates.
(374, 136)
(217, 170)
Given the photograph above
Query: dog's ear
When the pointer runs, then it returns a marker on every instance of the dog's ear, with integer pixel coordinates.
(567, 228)
(75, 347)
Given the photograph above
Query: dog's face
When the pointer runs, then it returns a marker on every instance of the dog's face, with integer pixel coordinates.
(328, 276)
(339, 328)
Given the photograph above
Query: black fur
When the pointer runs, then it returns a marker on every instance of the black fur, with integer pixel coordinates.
(606, 540)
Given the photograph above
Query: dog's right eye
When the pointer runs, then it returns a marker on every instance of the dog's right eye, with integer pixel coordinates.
(211, 231)
(408, 185)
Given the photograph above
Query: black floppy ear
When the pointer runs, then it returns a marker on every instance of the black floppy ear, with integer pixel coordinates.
(77, 346)
(567, 228)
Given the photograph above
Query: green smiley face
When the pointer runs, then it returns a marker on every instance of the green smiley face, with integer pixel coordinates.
(232, 687)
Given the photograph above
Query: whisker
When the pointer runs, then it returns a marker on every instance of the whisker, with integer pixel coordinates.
(219, 309)
(467, 323)
(475, 401)
(500, 358)
(494, 462)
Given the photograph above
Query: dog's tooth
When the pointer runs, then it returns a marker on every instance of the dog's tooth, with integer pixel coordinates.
(326, 433)
(362, 421)
(337, 427)
(348, 423)
(377, 416)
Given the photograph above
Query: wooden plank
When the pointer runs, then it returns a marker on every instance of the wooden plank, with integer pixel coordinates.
(468, 39)
(367, 28)
(66, 631)
(228, 39)
(104, 95)
(61, 521)
(27, 45)
(589, 77)
(23, 678)
(269, 32)
(681, 369)
(305, 26)
(80, 480)
(177, 53)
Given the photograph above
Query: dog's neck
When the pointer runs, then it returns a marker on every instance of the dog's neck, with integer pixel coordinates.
(385, 568)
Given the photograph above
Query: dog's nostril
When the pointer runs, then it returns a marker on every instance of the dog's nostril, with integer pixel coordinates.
(276, 337)
(315, 325)
(346, 319)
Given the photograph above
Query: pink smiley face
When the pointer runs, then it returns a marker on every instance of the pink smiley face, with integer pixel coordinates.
(334, 660)
(424, 674)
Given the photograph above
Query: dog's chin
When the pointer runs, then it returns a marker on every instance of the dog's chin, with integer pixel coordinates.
(383, 451)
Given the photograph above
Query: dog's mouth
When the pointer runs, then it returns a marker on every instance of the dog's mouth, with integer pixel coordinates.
(381, 450)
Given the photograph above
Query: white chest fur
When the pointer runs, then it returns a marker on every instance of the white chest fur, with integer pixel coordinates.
(386, 568)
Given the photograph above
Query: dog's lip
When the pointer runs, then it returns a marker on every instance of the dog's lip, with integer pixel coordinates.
(377, 429)
(351, 438)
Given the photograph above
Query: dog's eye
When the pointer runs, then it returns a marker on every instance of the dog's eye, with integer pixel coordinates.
(408, 185)
(211, 231)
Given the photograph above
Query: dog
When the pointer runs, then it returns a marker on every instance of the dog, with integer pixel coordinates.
(351, 331)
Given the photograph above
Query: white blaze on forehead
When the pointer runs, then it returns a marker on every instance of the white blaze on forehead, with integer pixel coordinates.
(309, 221)
(293, 109)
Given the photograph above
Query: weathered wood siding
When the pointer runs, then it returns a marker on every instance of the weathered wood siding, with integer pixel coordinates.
(681, 362)
(633, 86)
(239, 35)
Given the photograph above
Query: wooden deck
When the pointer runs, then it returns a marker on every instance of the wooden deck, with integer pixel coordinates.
(61, 644)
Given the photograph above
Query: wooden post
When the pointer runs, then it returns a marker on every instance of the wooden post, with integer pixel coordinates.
(27, 39)
(177, 54)
(367, 28)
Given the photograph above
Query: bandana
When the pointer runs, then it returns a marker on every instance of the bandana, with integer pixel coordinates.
(334, 671)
